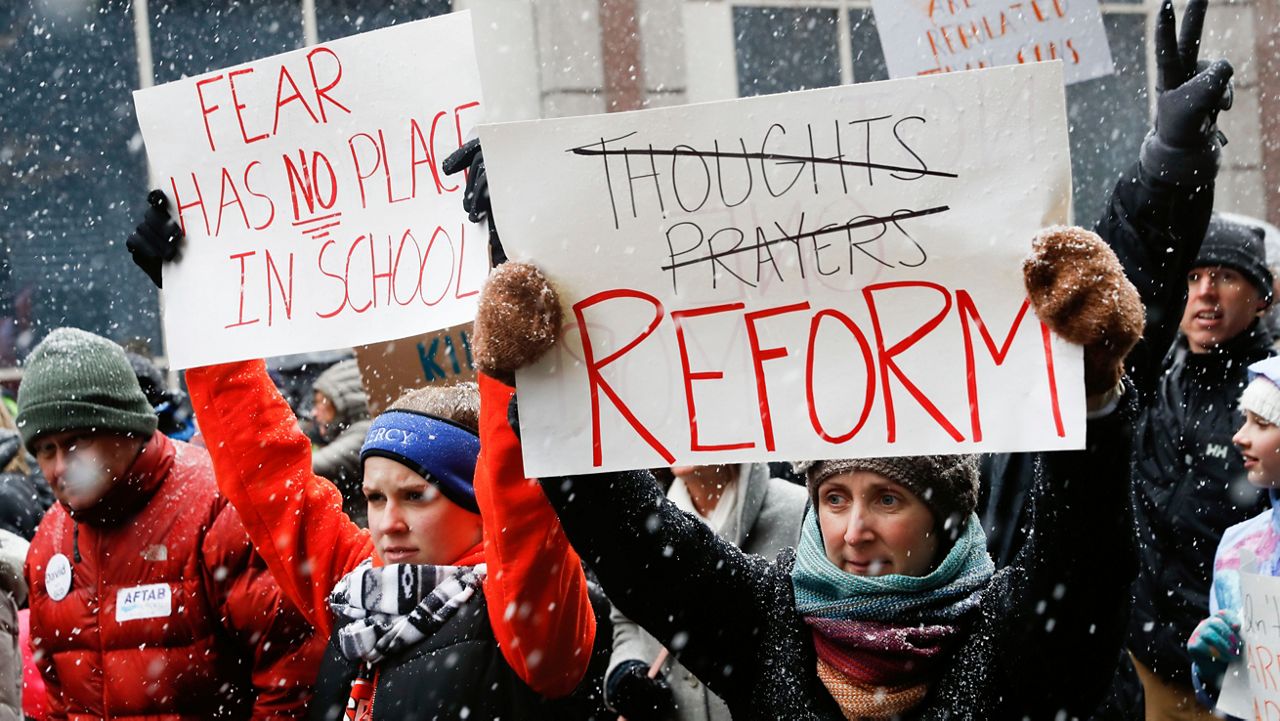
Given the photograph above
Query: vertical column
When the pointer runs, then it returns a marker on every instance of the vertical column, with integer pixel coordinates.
(621, 56)
(1267, 52)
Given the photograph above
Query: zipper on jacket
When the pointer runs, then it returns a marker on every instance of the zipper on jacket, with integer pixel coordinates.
(75, 541)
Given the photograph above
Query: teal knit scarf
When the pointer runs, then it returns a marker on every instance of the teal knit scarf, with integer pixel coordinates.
(946, 593)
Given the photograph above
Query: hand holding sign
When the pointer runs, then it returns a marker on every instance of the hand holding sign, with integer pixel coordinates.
(1078, 288)
(1215, 644)
(475, 199)
(1251, 686)
(156, 240)
(517, 321)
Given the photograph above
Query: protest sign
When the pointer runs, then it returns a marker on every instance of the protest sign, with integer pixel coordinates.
(1251, 688)
(821, 274)
(924, 37)
(310, 190)
(390, 368)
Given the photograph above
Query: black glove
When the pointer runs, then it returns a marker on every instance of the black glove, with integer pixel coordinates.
(633, 694)
(156, 241)
(475, 198)
(1185, 145)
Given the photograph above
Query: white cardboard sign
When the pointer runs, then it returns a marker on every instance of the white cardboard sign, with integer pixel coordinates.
(925, 37)
(310, 190)
(1251, 688)
(822, 274)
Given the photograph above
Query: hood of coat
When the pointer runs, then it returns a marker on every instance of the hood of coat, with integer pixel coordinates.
(13, 554)
(341, 384)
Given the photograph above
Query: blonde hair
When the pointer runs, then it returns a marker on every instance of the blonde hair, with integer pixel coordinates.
(459, 403)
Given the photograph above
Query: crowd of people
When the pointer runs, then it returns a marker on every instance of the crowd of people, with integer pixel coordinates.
(225, 553)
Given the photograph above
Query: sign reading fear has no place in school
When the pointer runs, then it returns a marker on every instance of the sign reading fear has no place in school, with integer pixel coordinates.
(821, 274)
(310, 190)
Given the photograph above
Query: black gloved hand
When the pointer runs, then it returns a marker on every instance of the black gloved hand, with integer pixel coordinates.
(475, 198)
(157, 240)
(1186, 143)
(633, 694)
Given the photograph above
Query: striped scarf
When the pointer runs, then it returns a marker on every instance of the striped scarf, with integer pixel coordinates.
(395, 606)
(881, 640)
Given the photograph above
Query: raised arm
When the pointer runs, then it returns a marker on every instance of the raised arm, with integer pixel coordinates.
(536, 589)
(263, 464)
(1063, 602)
(261, 458)
(1160, 208)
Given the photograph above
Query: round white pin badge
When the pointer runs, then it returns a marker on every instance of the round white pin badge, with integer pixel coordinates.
(57, 577)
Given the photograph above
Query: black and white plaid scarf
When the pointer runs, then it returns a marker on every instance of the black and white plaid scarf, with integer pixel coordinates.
(395, 606)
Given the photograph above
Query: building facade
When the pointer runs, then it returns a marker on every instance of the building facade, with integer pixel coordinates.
(75, 168)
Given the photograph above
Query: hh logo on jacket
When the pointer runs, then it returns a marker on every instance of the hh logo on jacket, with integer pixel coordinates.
(1215, 450)
(150, 601)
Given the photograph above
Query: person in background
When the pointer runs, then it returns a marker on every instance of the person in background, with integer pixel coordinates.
(13, 596)
(1252, 546)
(340, 410)
(147, 598)
(173, 413)
(750, 509)
(24, 494)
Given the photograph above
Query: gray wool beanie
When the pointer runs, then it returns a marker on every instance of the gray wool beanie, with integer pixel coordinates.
(75, 380)
(948, 485)
(1239, 246)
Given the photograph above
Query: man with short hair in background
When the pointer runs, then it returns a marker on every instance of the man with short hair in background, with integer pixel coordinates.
(146, 595)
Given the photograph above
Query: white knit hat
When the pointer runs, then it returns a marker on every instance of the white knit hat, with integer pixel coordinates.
(1262, 395)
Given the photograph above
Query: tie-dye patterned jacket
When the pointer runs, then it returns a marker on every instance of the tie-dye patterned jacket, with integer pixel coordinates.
(1252, 546)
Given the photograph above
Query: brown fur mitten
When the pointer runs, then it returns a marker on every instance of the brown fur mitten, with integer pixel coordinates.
(518, 320)
(1078, 288)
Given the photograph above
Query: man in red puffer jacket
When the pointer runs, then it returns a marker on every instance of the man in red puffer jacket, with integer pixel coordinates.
(147, 598)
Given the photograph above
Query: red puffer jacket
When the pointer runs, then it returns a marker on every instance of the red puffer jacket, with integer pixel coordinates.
(169, 613)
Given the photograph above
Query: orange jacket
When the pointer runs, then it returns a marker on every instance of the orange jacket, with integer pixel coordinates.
(535, 589)
(208, 631)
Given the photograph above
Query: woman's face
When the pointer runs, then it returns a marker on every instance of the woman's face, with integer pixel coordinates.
(872, 526)
(411, 520)
(1259, 442)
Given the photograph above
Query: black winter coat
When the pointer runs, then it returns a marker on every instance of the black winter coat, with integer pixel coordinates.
(459, 672)
(1155, 228)
(1046, 636)
(23, 497)
(1189, 482)
(1189, 487)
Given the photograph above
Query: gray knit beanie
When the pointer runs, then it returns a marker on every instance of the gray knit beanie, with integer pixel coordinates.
(341, 384)
(75, 380)
(948, 485)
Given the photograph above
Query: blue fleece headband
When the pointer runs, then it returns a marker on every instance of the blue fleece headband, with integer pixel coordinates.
(442, 452)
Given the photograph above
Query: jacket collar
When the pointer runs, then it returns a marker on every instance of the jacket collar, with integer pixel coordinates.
(129, 494)
(1254, 343)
